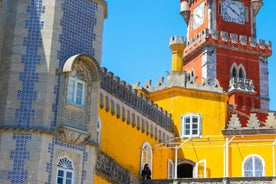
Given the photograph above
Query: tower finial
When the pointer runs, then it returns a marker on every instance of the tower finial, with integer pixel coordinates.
(177, 46)
(185, 10)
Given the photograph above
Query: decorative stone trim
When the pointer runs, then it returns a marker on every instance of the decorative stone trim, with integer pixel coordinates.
(234, 122)
(253, 125)
(111, 171)
(40, 131)
(72, 135)
(241, 84)
(270, 121)
(253, 121)
(184, 80)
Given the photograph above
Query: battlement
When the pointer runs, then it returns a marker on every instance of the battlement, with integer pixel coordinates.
(120, 89)
(177, 40)
(230, 41)
(181, 79)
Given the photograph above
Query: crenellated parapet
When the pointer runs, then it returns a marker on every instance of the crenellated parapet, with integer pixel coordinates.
(126, 93)
(183, 80)
(228, 40)
(177, 40)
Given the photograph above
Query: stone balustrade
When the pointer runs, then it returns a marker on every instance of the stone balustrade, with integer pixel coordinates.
(241, 84)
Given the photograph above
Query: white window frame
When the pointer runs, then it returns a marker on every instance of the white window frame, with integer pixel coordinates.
(253, 157)
(64, 166)
(204, 162)
(76, 81)
(170, 169)
(146, 156)
(183, 127)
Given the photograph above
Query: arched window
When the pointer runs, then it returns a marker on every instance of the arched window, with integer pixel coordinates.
(242, 74)
(253, 166)
(65, 171)
(234, 71)
(146, 156)
(191, 125)
(76, 89)
(118, 111)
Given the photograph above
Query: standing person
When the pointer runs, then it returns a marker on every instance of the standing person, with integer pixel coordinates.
(146, 173)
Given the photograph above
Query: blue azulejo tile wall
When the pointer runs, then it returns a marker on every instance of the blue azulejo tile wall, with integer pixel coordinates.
(51, 149)
(26, 95)
(19, 174)
(29, 77)
(77, 36)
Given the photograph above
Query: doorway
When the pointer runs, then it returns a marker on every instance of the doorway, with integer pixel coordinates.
(185, 170)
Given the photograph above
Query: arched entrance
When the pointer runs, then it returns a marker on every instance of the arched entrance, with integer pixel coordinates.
(185, 169)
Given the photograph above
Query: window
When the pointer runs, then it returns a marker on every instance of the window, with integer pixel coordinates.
(76, 90)
(191, 125)
(253, 166)
(146, 156)
(65, 171)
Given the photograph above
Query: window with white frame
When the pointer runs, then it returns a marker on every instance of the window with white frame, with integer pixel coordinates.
(76, 90)
(65, 171)
(146, 156)
(253, 166)
(191, 125)
(170, 169)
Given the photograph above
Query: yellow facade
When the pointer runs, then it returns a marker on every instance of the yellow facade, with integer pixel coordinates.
(212, 107)
(122, 140)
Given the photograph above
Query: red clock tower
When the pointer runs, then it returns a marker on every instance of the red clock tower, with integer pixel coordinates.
(222, 44)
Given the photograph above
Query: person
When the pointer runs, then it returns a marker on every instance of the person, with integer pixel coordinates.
(146, 173)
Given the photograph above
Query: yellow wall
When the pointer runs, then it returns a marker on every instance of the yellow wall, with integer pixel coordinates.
(99, 180)
(212, 107)
(123, 143)
(242, 147)
(179, 101)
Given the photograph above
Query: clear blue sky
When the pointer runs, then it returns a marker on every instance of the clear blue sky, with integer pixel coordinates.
(136, 38)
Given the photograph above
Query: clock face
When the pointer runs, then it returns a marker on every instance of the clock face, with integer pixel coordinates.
(198, 16)
(233, 11)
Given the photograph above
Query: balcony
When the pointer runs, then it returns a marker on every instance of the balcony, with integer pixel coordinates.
(241, 84)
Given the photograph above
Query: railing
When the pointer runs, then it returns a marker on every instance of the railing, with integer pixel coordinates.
(241, 84)
(242, 180)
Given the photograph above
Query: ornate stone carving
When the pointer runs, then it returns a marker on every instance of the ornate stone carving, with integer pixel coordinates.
(72, 135)
(253, 121)
(270, 120)
(234, 122)
(241, 84)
